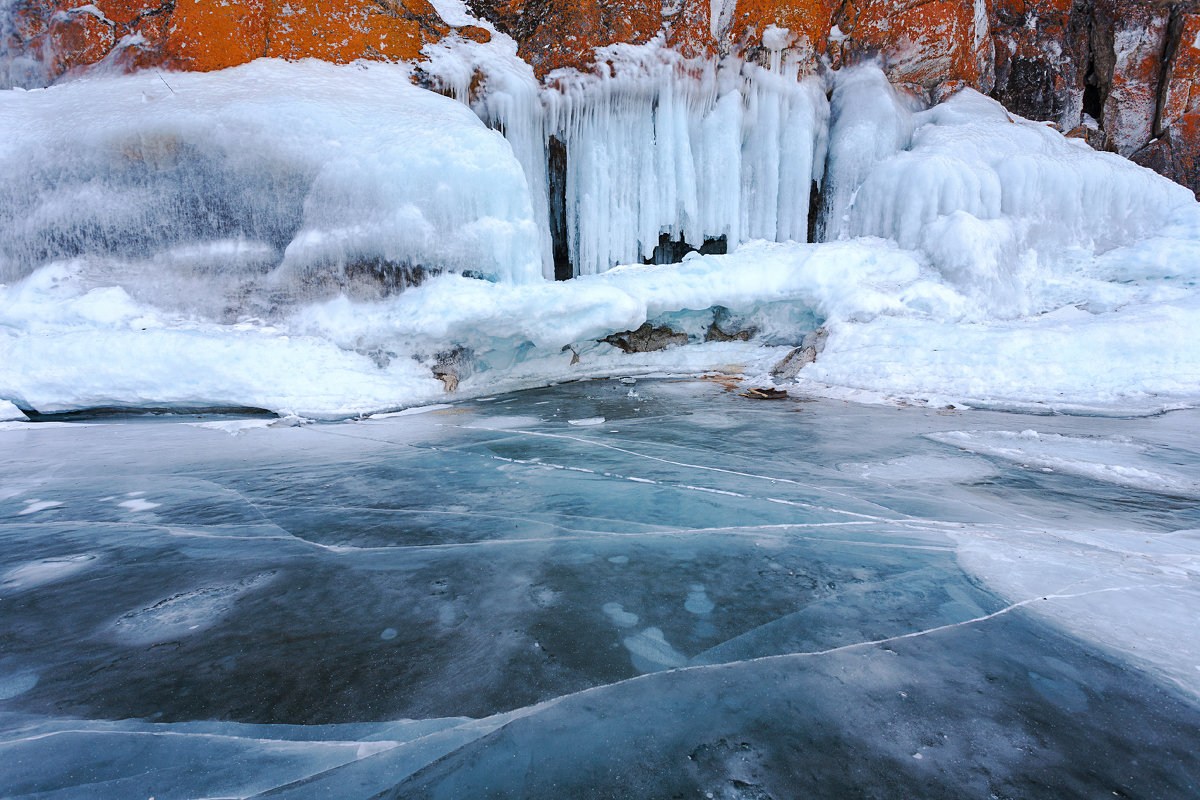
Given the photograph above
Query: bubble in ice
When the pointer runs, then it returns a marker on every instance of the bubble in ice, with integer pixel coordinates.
(619, 616)
(185, 613)
(697, 600)
(137, 504)
(17, 683)
(650, 651)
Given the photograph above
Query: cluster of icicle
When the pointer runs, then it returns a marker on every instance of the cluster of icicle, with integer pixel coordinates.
(658, 144)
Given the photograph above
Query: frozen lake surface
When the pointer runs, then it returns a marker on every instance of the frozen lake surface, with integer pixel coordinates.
(602, 589)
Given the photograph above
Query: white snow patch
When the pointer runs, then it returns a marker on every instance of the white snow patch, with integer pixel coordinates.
(9, 412)
(44, 570)
(1133, 592)
(408, 412)
(34, 506)
(233, 427)
(137, 504)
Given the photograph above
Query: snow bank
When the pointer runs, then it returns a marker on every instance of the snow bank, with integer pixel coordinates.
(71, 344)
(231, 242)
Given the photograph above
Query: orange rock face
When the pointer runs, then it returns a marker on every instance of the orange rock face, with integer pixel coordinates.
(552, 34)
(205, 35)
(920, 43)
(344, 30)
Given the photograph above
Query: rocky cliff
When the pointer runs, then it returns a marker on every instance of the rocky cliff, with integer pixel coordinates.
(1123, 74)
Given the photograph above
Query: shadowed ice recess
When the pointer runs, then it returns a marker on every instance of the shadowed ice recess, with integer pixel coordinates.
(694, 594)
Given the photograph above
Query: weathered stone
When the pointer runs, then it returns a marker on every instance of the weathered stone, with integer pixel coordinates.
(1176, 153)
(716, 333)
(645, 339)
(791, 364)
(453, 366)
(1090, 133)
(1128, 41)
(552, 34)
(1042, 59)
(808, 23)
(1181, 84)
(574, 354)
(78, 37)
(816, 339)
(921, 43)
(765, 393)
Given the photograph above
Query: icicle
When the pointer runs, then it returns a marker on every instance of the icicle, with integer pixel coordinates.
(658, 144)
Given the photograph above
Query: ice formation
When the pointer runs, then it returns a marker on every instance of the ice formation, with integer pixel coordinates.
(308, 169)
(333, 241)
(690, 150)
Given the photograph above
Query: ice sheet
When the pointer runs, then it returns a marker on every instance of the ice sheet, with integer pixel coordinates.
(704, 593)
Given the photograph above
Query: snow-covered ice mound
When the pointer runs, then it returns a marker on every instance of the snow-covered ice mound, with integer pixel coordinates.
(305, 168)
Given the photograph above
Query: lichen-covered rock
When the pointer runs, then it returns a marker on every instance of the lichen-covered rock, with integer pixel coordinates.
(78, 36)
(922, 44)
(206, 36)
(552, 34)
(1176, 153)
(199, 35)
(1128, 42)
(344, 30)
(1181, 84)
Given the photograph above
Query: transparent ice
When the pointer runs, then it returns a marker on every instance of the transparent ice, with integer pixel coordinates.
(696, 594)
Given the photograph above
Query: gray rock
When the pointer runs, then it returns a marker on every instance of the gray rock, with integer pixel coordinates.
(791, 364)
(453, 366)
(645, 339)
